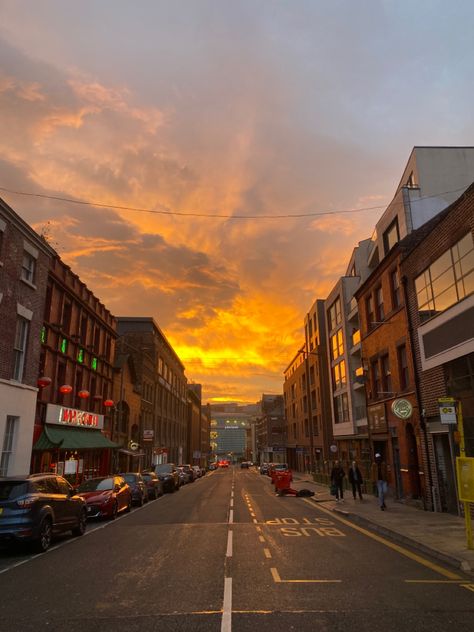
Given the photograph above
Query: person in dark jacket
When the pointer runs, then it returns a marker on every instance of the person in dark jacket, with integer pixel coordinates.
(337, 477)
(379, 474)
(355, 479)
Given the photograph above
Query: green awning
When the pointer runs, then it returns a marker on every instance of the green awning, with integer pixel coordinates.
(66, 438)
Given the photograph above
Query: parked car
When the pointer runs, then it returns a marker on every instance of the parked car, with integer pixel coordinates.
(35, 508)
(244, 465)
(106, 496)
(153, 484)
(137, 486)
(168, 474)
(189, 471)
(184, 477)
(198, 471)
(264, 468)
(212, 467)
(187, 475)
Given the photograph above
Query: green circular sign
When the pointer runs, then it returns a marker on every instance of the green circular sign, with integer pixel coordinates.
(402, 408)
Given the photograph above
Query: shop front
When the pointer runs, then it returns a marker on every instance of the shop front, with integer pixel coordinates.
(72, 445)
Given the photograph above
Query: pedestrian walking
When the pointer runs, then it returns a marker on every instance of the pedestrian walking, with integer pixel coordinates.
(379, 474)
(337, 477)
(355, 479)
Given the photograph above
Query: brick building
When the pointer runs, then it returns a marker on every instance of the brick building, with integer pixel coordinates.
(392, 404)
(270, 429)
(438, 276)
(24, 264)
(163, 418)
(77, 352)
(194, 453)
(296, 413)
(125, 413)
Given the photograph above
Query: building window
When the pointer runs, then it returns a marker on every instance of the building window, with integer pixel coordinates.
(395, 287)
(448, 280)
(337, 345)
(386, 375)
(28, 267)
(341, 409)
(369, 307)
(339, 375)
(403, 367)
(391, 237)
(335, 314)
(380, 314)
(376, 383)
(19, 350)
(8, 442)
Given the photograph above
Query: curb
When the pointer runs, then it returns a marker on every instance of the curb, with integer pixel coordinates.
(456, 562)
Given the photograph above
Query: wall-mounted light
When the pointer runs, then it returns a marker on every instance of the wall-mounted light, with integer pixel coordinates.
(65, 389)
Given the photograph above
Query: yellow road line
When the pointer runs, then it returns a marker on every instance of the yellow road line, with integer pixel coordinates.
(391, 545)
(261, 538)
(468, 586)
(278, 580)
(433, 581)
(267, 553)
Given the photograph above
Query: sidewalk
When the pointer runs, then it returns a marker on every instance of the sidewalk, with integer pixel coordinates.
(439, 535)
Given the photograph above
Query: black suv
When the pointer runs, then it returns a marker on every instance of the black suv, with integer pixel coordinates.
(34, 508)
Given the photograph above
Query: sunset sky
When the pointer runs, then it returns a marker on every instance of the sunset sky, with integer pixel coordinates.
(198, 111)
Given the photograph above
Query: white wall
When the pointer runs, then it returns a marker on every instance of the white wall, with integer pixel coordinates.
(19, 401)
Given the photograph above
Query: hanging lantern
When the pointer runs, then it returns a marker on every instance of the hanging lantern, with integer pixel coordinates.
(83, 394)
(44, 381)
(65, 389)
(109, 403)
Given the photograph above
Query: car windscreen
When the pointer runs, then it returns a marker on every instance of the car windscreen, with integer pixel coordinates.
(96, 484)
(9, 490)
(131, 479)
(164, 468)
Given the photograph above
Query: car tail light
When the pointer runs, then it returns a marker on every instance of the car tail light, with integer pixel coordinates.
(27, 501)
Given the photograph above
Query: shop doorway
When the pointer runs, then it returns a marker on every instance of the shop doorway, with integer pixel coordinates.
(413, 463)
(444, 469)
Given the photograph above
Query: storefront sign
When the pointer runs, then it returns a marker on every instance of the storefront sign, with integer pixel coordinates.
(402, 408)
(73, 417)
(377, 418)
(447, 410)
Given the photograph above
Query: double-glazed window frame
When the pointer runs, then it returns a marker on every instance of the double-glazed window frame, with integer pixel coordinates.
(447, 280)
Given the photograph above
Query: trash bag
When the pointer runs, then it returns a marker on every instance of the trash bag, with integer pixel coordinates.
(305, 492)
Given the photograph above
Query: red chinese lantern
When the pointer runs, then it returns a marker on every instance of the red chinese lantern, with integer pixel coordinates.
(83, 394)
(65, 389)
(44, 381)
(109, 403)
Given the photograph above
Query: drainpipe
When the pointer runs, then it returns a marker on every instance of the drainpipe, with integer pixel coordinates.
(416, 380)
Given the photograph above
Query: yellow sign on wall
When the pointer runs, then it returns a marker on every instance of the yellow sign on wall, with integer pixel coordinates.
(465, 475)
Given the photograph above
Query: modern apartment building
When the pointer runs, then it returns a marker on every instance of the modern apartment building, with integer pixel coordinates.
(347, 392)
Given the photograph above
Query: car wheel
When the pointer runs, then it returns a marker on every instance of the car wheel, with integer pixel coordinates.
(114, 513)
(43, 542)
(128, 508)
(81, 525)
(140, 501)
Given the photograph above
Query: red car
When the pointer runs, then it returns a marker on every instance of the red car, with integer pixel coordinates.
(105, 497)
(223, 463)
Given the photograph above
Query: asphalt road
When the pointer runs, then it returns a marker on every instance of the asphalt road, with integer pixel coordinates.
(226, 554)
